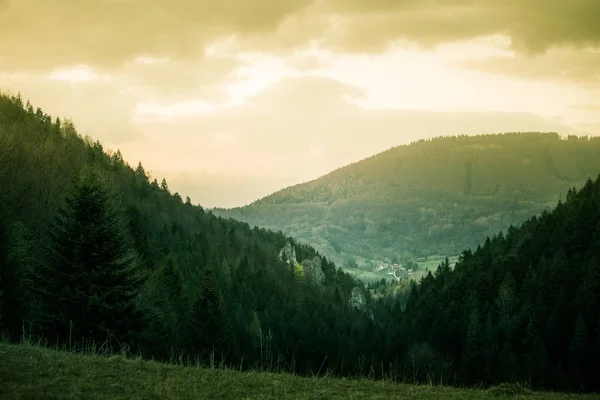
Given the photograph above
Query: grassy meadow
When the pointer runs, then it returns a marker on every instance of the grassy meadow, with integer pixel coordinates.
(33, 372)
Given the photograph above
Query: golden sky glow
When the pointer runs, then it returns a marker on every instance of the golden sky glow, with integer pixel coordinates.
(231, 100)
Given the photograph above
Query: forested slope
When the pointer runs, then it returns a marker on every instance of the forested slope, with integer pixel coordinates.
(432, 197)
(525, 305)
(92, 249)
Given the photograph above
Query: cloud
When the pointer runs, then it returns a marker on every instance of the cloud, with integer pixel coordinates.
(579, 67)
(42, 34)
(372, 26)
(103, 102)
(171, 81)
(37, 34)
(296, 130)
(533, 25)
(103, 110)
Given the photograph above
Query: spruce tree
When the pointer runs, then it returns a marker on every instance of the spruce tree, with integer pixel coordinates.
(538, 363)
(14, 258)
(1, 293)
(208, 330)
(87, 282)
(175, 301)
(164, 186)
(474, 346)
(3, 268)
(577, 349)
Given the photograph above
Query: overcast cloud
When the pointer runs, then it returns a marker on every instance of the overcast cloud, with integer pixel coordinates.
(230, 100)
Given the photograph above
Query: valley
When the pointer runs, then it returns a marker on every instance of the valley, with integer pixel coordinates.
(300, 199)
(159, 277)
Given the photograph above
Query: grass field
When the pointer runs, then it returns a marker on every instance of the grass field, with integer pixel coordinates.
(31, 372)
(433, 261)
(367, 272)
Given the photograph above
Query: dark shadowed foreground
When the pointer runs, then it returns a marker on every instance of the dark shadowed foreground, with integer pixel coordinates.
(30, 372)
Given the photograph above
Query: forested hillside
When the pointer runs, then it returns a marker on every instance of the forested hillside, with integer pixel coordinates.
(94, 250)
(524, 306)
(432, 197)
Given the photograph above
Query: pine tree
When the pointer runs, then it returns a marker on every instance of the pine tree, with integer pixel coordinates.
(474, 346)
(3, 268)
(505, 299)
(86, 285)
(164, 186)
(508, 363)
(577, 348)
(256, 334)
(1, 293)
(15, 255)
(337, 298)
(538, 363)
(208, 329)
(590, 291)
(594, 356)
(170, 285)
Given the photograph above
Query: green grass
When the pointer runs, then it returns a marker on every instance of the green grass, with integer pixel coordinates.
(433, 261)
(32, 372)
(367, 272)
(368, 276)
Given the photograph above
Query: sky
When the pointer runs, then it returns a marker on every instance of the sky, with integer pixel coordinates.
(232, 100)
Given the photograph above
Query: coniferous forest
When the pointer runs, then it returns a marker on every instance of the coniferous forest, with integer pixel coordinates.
(94, 252)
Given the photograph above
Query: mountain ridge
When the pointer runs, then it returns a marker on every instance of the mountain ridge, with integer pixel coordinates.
(504, 178)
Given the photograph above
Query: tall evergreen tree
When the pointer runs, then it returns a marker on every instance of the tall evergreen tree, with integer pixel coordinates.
(14, 259)
(164, 186)
(3, 270)
(577, 348)
(171, 282)
(474, 346)
(87, 283)
(208, 329)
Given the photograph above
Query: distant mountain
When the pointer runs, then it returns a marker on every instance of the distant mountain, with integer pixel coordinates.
(428, 199)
